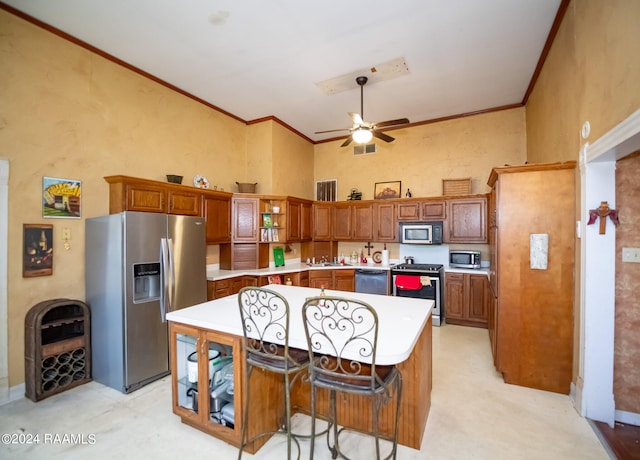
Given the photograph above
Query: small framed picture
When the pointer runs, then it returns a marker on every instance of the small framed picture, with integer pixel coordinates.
(61, 198)
(266, 220)
(37, 254)
(386, 190)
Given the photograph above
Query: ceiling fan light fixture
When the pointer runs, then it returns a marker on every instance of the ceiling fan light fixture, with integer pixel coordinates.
(362, 136)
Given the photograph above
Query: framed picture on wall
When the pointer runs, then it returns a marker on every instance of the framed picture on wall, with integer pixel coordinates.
(386, 190)
(37, 253)
(61, 198)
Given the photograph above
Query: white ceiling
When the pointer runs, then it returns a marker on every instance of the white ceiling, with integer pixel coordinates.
(261, 58)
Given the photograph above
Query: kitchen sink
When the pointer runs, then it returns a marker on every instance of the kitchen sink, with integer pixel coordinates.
(329, 264)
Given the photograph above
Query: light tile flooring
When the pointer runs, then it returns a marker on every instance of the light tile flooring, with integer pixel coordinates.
(474, 415)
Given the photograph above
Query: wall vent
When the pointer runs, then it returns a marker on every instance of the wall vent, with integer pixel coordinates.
(364, 149)
(327, 190)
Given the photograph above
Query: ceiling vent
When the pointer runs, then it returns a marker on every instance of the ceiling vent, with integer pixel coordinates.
(365, 149)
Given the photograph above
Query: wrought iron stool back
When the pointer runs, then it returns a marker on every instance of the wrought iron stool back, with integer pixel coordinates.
(342, 336)
(265, 322)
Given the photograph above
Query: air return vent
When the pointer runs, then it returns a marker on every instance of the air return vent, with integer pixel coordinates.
(364, 149)
(327, 190)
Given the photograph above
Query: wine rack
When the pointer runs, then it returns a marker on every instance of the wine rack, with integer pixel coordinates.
(57, 347)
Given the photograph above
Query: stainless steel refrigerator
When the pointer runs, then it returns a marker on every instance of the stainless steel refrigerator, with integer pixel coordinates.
(139, 266)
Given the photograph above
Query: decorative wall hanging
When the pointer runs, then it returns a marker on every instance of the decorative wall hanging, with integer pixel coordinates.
(61, 198)
(37, 254)
(386, 190)
(603, 211)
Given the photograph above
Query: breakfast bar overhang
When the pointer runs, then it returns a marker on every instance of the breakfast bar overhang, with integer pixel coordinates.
(404, 340)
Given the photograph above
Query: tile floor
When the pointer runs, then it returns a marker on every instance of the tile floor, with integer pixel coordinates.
(474, 415)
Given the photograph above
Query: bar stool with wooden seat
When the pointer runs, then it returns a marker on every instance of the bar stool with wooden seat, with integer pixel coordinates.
(342, 336)
(265, 322)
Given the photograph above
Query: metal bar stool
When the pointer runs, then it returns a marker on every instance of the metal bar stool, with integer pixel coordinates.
(265, 320)
(342, 336)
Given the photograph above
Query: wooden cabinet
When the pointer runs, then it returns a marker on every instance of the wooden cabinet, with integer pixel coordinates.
(244, 256)
(322, 220)
(384, 222)
(306, 228)
(533, 317)
(184, 202)
(344, 280)
(216, 210)
(341, 279)
(467, 221)
(294, 216)
(192, 371)
(467, 299)
(352, 221)
(320, 278)
(245, 219)
(298, 220)
(421, 210)
(342, 222)
(362, 221)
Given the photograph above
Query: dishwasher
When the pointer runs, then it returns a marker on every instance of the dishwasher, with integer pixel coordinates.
(372, 281)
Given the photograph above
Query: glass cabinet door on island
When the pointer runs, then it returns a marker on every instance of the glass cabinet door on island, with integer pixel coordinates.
(205, 374)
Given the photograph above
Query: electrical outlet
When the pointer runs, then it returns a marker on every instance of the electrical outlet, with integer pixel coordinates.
(631, 255)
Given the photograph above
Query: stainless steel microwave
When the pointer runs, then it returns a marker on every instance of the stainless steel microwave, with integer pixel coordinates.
(421, 232)
(464, 259)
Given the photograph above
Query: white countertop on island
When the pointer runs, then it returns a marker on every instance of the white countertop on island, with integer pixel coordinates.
(401, 319)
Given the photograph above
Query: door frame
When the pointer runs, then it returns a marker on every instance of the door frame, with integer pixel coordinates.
(593, 390)
(4, 282)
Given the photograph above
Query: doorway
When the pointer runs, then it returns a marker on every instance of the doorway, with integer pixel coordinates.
(594, 390)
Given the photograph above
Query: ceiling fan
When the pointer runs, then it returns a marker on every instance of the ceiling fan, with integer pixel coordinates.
(361, 131)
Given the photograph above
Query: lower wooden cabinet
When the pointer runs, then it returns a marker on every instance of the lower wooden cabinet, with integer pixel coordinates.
(207, 379)
(467, 299)
(341, 280)
(229, 286)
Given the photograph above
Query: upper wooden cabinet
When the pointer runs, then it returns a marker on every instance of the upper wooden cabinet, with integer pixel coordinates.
(353, 221)
(298, 220)
(135, 194)
(384, 222)
(131, 194)
(216, 210)
(245, 219)
(306, 219)
(421, 210)
(322, 218)
(467, 221)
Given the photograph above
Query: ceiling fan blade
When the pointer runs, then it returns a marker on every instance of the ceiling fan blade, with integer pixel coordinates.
(332, 131)
(399, 121)
(383, 136)
(347, 142)
(357, 119)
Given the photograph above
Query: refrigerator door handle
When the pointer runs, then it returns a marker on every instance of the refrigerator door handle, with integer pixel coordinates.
(164, 271)
(172, 276)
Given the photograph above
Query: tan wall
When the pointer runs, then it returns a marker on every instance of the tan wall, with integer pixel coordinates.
(68, 113)
(422, 156)
(292, 168)
(591, 74)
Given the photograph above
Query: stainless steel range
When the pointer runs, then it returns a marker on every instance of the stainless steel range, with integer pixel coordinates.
(421, 281)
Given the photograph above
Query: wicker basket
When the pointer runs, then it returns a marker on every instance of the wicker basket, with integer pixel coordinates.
(244, 187)
(456, 186)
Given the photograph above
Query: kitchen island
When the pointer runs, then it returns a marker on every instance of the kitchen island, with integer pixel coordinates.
(404, 339)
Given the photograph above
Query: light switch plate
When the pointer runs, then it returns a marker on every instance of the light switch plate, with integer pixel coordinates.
(631, 255)
(66, 233)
